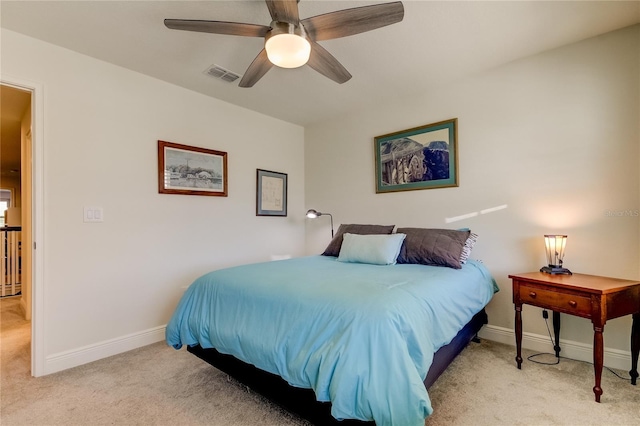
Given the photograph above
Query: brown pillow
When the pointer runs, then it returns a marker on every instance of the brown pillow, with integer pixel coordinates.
(333, 249)
(439, 247)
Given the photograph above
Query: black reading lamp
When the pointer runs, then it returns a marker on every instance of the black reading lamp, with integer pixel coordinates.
(554, 245)
(312, 214)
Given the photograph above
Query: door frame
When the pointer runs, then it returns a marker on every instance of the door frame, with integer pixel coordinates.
(37, 219)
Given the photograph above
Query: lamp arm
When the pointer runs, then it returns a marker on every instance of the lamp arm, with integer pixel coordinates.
(330, 217)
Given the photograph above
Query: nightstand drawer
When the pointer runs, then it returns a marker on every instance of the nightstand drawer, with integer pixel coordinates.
(561, 302)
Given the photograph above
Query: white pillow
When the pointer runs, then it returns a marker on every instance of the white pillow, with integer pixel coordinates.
(375, 249)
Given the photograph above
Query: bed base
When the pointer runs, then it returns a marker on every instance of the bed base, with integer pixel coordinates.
(302, 401)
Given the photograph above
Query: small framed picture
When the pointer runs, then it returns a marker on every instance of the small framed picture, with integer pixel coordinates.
(190, 170)
(424, 157)
(271, 193)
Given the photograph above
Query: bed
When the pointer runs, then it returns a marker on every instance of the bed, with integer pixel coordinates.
(361, 338)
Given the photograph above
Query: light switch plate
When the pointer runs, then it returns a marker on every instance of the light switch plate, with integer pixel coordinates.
(93, 214)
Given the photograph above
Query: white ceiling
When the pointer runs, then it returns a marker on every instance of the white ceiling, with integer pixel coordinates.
(437, 42)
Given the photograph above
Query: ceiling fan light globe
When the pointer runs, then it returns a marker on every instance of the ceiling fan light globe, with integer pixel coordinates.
(288, 50)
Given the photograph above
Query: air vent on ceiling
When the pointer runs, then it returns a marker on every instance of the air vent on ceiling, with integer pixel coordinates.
(222, 74)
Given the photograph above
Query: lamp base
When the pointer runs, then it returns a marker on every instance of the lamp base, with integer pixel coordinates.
(555, 270)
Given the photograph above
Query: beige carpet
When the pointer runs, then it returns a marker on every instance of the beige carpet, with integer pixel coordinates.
(157, 385)
(484, 387)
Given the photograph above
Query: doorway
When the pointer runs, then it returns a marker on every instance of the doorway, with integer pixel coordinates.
(16, 187)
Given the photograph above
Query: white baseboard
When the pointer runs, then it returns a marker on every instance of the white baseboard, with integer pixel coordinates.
(613, 358)
(23, 307)
(75, 357)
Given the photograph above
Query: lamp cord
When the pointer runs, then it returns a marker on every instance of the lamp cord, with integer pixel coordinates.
(530, 358)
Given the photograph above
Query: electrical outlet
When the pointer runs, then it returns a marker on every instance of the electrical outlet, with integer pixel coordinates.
(545, 314)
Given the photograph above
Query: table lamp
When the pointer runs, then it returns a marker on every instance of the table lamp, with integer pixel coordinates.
(554, 245)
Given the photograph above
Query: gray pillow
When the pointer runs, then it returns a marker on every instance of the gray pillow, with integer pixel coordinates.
(333, 249)
(439, 247)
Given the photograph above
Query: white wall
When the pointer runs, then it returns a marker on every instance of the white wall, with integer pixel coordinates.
(107, 283)
(555, 137)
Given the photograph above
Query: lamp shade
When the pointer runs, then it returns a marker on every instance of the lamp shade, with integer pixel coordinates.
(288, 50)
(554, 245)
(554, 248)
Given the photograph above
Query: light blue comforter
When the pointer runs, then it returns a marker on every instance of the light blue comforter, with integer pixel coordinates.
(362, 336)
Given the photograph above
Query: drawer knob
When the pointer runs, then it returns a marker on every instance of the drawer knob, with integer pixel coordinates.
(573, 303)
(532, 294)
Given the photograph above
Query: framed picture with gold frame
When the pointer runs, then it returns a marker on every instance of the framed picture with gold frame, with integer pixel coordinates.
(424, 157)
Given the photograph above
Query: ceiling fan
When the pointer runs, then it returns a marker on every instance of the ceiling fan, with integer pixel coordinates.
(291, 42)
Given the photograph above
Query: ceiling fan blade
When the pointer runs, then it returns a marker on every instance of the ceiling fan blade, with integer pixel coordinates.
(284, 11)
(256, 70)
(217, 27)
(343, 23)
(324, 62)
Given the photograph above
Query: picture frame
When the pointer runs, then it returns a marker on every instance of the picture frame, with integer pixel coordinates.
(424, 157)
(271, 193)
(190, 170)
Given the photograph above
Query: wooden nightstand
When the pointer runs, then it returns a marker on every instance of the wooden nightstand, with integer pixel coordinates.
(588, 296)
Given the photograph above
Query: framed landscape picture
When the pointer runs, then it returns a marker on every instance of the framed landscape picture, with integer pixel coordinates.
(424, 157)
(190, 170)
(271, 193)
